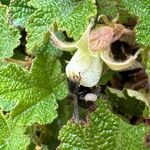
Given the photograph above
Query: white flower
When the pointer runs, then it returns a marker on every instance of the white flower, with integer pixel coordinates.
(85, 66)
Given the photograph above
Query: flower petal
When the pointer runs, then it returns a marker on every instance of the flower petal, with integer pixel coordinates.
(84, 68)
(106, 56)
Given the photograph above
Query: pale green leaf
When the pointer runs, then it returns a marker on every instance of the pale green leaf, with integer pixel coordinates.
(104, 131)
(9, 36)
(140, 9)
(36, 91)
(12, 135)
(70, 16)
(20, 12)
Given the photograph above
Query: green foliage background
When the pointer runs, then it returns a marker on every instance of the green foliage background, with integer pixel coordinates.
(33, 95)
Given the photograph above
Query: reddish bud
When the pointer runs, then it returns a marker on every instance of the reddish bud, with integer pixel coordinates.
(100, 38)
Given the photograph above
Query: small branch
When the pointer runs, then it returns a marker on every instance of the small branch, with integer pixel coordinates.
(76, 109)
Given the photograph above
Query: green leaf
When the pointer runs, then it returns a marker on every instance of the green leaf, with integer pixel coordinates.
(140, 9)
(145, 55)
(47, 46)
(127, 102)
(103, 131)
(69, 15)
(106, 76)
(5, 2)
(9, 36)
(108, 7)
(20, 12)
(7, 105)
(12, 135)
(36, 92)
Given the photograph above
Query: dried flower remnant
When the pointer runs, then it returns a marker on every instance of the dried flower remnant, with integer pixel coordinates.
(93, 47)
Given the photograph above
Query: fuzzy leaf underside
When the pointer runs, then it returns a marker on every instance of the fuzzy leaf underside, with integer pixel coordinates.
(34, 92)
(9, 36)
(104, 131)
(12, 135)
(140, 9)
(69, 15)
(127, 101)
(20, 12)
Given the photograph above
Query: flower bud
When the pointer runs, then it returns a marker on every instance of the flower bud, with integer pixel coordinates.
(84, 68)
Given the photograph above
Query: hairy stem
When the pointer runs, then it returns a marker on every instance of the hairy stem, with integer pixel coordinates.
(76, 109)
